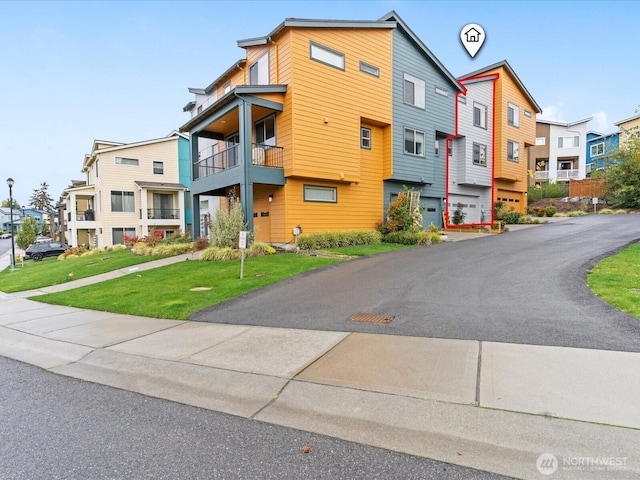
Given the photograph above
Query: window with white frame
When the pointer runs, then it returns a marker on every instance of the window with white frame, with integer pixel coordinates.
(413, 142)
(370, 69)
(513, 115)
(226, 88)
(480, 114)
(414, 91)
(540, 141)
(326, 55)
(479, 154)
(117, 234)
(127, 161)
(569, 142)
(158, 168)
(259, 71)
(315, 193)
(513, 151)
(266, 131)
(437, 147)
(597, 149)
(97, 168)
(122, 201)
(365, 138)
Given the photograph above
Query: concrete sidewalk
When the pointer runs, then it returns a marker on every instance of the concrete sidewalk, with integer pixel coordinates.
(519, 410)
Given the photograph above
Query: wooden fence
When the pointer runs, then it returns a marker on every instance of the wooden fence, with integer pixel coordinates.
(589, 187)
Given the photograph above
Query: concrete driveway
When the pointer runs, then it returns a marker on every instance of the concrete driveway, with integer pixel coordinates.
(526, 286)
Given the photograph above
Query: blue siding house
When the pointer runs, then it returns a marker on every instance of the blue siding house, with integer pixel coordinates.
(424, 97)
(601, 150)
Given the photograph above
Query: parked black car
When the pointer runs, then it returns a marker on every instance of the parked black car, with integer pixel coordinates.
(38, 251)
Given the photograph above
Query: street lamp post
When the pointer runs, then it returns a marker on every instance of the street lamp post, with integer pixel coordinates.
(13, 246)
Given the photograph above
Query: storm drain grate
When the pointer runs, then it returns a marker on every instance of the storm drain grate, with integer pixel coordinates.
(371, 318)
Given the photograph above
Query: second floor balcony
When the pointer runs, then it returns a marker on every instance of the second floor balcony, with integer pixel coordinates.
(160, 214)
(569, 174)
(262, 156)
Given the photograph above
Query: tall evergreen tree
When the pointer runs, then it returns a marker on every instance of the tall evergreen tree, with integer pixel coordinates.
(41, 200)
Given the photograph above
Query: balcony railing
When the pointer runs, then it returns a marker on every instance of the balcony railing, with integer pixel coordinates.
(262, 155)
(161, 214)
(572, 174)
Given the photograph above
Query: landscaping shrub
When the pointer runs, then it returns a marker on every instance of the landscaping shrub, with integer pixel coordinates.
(219, 254)
(226, 227)
(141, 249)
(171, 250)
(200, 243)
(258, 249)
(75, 251)
(412, 237)
(458, 215)
(549, 211)
(512, 218)
(177, 237)
(314, 241)
(500, 209)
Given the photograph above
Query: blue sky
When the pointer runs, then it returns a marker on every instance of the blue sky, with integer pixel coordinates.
(74, 71)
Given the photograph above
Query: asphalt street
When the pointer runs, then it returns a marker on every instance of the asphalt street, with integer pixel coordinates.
(62, 428)
(526, 287)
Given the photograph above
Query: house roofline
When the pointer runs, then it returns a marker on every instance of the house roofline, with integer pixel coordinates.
(505, 64)
(563, 124)
(313, 23)
(626, 120)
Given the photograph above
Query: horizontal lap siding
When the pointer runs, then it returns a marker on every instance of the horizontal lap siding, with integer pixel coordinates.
(327, 108)
(438, 115)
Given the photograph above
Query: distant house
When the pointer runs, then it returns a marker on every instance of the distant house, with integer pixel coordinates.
(131, 189)
(629, 128)
(38, 215)
(601, 150)
(5, 219)
(559, 153)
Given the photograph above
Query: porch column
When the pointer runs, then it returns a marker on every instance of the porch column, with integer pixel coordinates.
(195, 212)
(193, 155)
(73, 231)
(181, 210)
(144, 220)
(246, 187)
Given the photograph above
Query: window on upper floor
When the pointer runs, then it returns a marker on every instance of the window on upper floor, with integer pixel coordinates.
(370, 69)
(266, 131)
(158, 168)
(226, 88)
(569, 142)
(541, 141)
(413, 142)
(513, 115)
(437, 147)
(122, 201)
(127, 161)
(479, 154)
(97, 168)
(365, 138)
(315, 193)
(259, 71)
(597, 149)
(414, 91)
(326, 55)
(480, 114)
(513, 151)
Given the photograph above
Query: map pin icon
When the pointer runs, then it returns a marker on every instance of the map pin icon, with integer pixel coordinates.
(472, 37)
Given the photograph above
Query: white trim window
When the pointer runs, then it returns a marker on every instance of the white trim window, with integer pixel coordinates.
(122, 201)
(480, 114)
(513, 151)
(158, 168)
(513, 115)
(569, 142)
(127, 161)
(597, 149)
(414, 91)
(541, 141)
(315, 193)
(413, 142)
(370, 69)
(326, 55)
(479, 154)
(365, 138)
(259, 71)
(265, 131)
(117, 234)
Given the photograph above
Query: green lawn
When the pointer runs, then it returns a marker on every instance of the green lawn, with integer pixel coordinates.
(362, 250)
(166, 292)
(51, 271)
(617, 280)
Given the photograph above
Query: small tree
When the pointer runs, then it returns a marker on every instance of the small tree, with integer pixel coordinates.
(41, 200)
(28, 233)
(44, 229)
(622, 179)
(404, 212)
(226, 227)
(458, 215)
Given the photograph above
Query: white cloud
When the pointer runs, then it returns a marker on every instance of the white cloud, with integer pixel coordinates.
(552, 113)
(600, 123)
